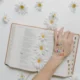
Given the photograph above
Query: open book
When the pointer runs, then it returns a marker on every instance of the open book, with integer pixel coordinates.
(29, 48)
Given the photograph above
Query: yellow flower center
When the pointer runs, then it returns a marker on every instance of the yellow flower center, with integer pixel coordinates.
(39, 60)
(21, 6)
(73, 5)
(43, 36)
(22, 76)
(39, 5)
(51, 21)
(53, 15)
(5, 17)
(41, 47)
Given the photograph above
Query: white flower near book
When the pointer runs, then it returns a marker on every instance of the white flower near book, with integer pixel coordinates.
(22, 77)
(39, 61)
(41, 48)
(73, 7)
(5, 19)
(21, 8)
(53, 16)
(39, 6)
(50, 24)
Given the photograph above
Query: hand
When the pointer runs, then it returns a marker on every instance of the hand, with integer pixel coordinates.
(63, 42)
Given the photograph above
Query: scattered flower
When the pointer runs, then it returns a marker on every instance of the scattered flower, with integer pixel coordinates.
(21, 8)
(53, 16)
(5, 19)
(50, 23)
(39, 6)
(22, 77)
(73, 7)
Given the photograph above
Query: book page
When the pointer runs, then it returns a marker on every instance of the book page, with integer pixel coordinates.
(26, 45)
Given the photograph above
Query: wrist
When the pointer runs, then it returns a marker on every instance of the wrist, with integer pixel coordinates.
(58, 56)
(55, 61)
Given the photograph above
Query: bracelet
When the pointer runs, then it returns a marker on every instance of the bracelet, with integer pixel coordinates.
(59, 52)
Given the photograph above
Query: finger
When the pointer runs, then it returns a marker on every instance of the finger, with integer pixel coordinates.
(60, 33)
(55, 34)
(70, 37)
(55, 38)
(66, 34)
(72, 47)
(71, 40)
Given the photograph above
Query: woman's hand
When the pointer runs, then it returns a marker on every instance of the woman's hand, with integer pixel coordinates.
(63, 46)
(63, 42)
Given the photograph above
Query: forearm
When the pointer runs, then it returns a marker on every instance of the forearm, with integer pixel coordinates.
(49, 68)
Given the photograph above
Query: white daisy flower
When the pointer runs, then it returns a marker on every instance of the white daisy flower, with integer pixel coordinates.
(22, 77)
(39, 61)
(5, 19)
(41, 49)
(21, 8)
(39, 6)
(52, 16)
(42, 37)
(50, 23)
(73, 7)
